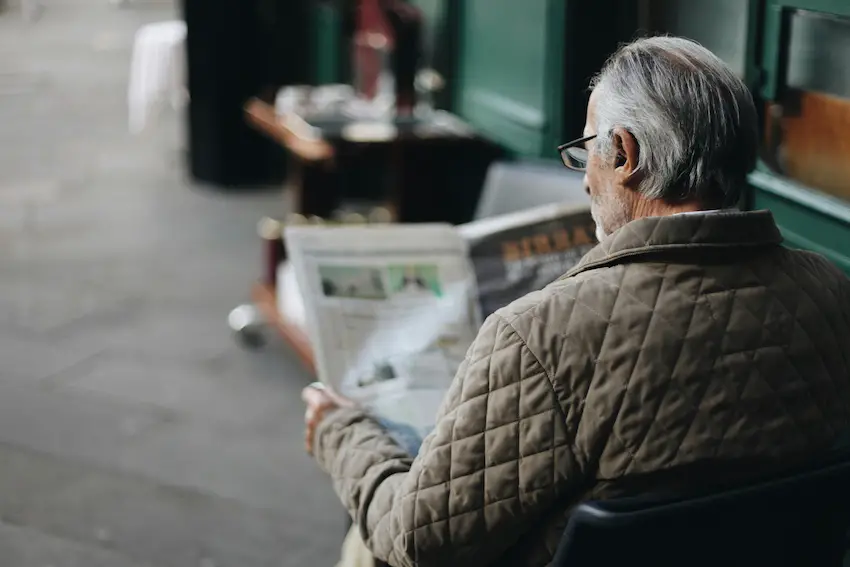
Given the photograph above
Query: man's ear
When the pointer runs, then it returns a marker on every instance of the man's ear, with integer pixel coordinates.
(628, 156)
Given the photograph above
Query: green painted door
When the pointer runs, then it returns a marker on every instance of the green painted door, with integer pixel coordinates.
(523, 66)
(509, 82)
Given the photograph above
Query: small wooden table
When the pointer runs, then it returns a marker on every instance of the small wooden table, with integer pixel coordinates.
(262, 116)
(311, 160)
(431, 170)
(265, 300)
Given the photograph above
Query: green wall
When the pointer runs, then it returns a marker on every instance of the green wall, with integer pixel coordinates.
(807, 220)
(523, 67)
(506, 84)
(327, 35)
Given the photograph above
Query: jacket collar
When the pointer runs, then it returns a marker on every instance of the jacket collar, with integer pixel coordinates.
(714, 230)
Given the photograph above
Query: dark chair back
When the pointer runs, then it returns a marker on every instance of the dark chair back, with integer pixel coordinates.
(800, 520)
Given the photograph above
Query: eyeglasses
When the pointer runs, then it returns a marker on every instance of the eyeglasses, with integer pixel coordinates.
(574, 154)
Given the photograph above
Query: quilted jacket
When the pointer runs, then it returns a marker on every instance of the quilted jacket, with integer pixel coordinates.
(682, 351)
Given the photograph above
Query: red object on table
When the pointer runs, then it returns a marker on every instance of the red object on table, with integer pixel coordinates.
(373, 42)
(370, 18)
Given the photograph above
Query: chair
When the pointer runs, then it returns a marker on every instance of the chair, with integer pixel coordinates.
(514, 186)
(157, 71)
(800, 520)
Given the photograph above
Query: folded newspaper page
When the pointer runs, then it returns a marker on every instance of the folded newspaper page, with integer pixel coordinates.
(517, 253)
(390, 310)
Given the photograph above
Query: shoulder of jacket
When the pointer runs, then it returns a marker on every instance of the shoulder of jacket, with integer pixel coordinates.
(558, 299)
(813, 271)
(817, 262)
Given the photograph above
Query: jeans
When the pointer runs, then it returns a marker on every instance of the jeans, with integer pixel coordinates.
(407, 437)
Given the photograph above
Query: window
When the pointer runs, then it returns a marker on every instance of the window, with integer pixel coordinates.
(807, 133)
(719, 25)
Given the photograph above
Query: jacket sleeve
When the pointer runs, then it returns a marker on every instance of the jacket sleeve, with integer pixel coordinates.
(499, 457)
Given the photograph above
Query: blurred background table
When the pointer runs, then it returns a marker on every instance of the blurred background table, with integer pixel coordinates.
(427, 169)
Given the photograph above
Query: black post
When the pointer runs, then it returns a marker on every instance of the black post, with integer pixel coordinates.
(237, 50)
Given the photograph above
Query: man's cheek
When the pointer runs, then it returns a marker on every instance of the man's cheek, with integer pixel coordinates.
(591, 182)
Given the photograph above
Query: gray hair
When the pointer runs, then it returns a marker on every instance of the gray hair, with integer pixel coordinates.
(693, 118)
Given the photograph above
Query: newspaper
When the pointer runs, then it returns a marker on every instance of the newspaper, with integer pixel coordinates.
(518, 253)
(392, 309)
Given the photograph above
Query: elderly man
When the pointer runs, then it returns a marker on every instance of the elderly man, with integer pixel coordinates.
(689, 349)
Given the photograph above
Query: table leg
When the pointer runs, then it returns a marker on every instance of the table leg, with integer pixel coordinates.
(317, 188)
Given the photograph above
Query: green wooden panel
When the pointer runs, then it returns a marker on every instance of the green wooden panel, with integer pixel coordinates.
(807, 219)
(327, 34)
(509, 82)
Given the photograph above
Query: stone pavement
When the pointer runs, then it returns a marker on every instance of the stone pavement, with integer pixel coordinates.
(133, 430)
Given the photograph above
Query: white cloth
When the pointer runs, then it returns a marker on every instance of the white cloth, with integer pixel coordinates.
(354, 551)
(157, 71)
(706, 211)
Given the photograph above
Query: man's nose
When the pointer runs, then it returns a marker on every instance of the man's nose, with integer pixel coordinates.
(586, 184)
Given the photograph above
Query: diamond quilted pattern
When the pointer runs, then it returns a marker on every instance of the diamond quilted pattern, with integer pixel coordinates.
(679, 343)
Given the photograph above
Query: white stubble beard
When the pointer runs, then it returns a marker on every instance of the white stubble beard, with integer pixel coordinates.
(618, 214)
(600, 232)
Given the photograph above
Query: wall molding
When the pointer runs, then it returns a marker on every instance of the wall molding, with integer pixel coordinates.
(518, 127)
(805, 196)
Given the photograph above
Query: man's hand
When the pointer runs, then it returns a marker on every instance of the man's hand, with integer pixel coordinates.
(320, 400)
